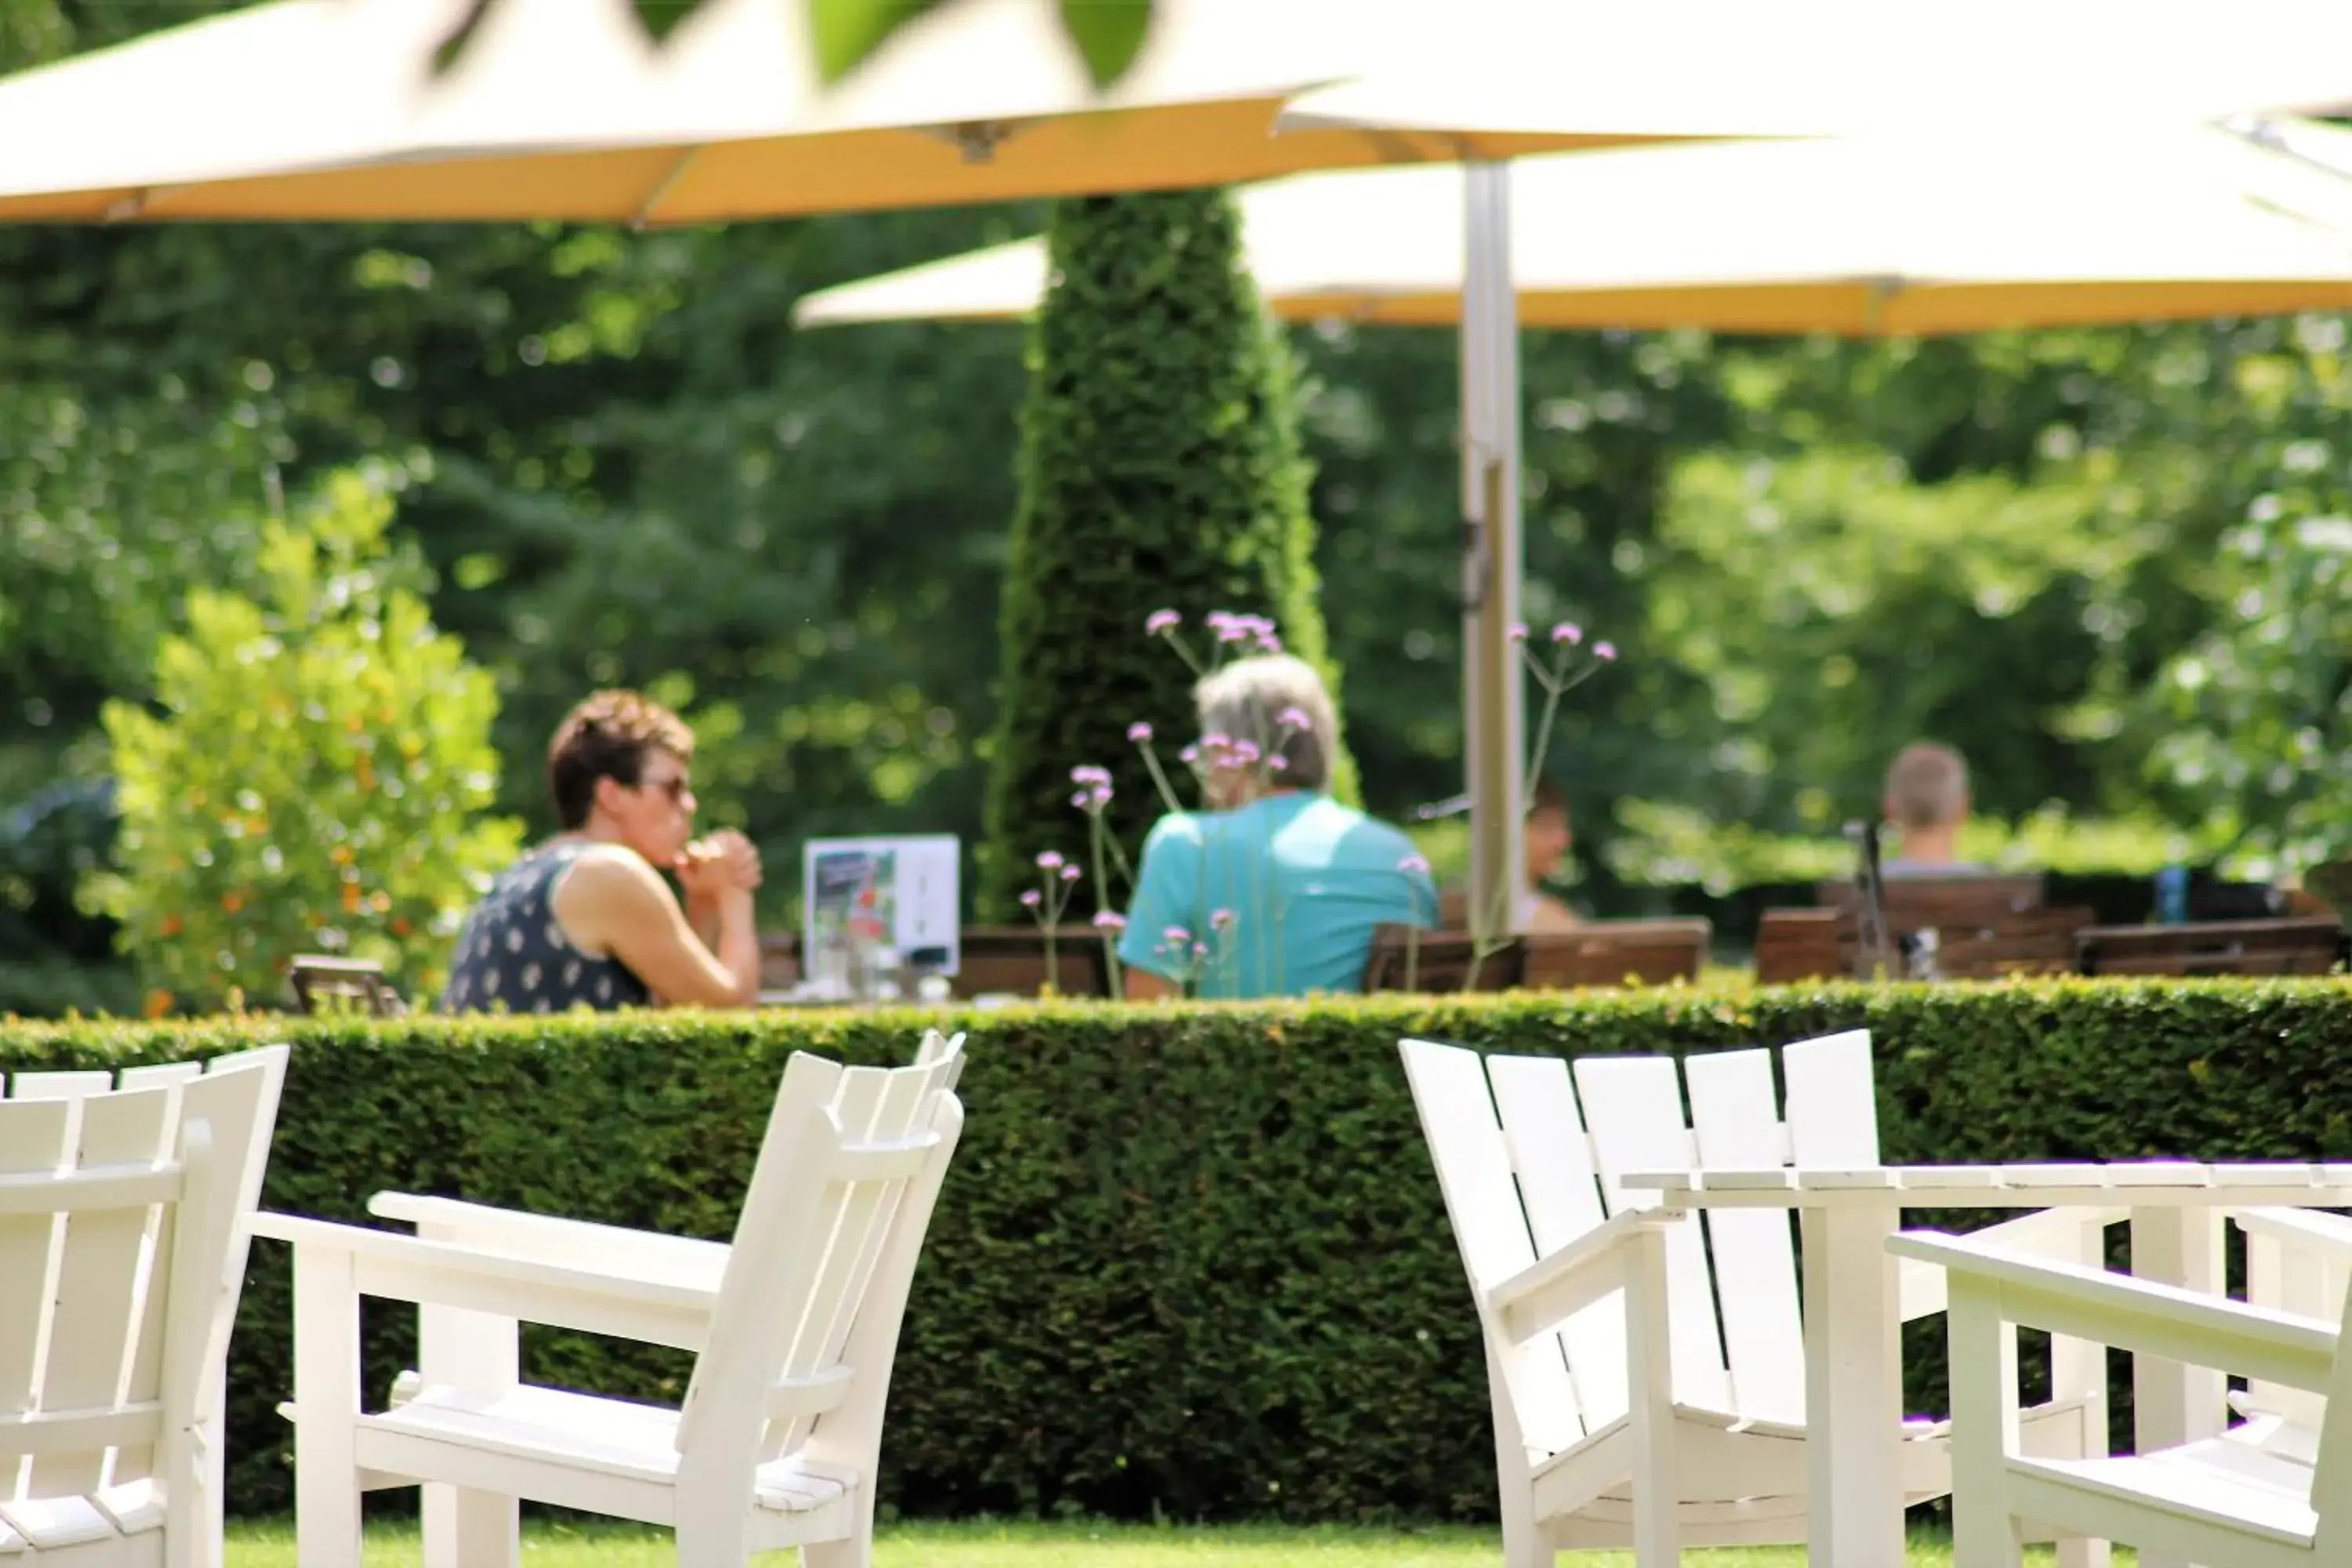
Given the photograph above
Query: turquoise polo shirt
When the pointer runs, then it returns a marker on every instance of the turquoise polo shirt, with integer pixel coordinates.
(1307, 882)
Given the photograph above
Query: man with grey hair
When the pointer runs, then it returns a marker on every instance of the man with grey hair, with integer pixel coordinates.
(1277, 889)
(1927, 801)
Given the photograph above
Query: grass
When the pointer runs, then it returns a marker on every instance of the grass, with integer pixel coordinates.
(997, 1545)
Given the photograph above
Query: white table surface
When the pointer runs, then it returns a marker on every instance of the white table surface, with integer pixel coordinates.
(1854, 1364)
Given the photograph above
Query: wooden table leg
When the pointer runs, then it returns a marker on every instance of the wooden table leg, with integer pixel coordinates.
(1853, 1388)
(2174, 1404)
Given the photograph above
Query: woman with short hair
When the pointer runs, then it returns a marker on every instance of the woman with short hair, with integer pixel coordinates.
(1276, 890)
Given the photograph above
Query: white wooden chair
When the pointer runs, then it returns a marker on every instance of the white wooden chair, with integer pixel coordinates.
(2265, 1494)
(794, 1327)
(123, 1211)
(1600, 1439)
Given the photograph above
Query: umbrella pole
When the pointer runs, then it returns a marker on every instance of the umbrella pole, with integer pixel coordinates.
(1493, 705)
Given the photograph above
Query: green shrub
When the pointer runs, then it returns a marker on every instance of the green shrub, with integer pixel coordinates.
(1190, 1259)
(1160, 468)
(316, 778)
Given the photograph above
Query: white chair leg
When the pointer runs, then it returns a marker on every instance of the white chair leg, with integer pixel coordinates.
(326, 1404)
(478, 1351)
(713, 1543)
(1985, 1534)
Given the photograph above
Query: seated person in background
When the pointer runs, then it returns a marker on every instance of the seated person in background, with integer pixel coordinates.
(1547, 839)
(585, 920)
(1278, 890)
(1927, 803)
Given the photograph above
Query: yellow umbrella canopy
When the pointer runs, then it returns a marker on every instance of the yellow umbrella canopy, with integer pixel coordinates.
(1880, 236)
(560, 109)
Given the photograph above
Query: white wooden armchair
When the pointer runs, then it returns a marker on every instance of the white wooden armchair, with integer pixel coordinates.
(123, 1212)
(794, 1327)
(1628, 1410)
(2270, 1493)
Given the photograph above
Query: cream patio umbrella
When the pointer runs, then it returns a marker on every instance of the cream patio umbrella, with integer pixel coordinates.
(562, 109)
(1879, 236)
(1869, 236)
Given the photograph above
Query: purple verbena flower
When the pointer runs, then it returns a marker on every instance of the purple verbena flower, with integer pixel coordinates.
(1278, 762)
(1050, 860)
(1415, 866)
(1140, 732)
(1109, 920)
(1069, 873)
(1176, 934)
(1031, 897)
(1242, 753)
(1089, 775)
(1294, 719)
(1098, 797)
(1567, 632)
(1219, 920)
(1083, 801)
(1518, 632)
(1606, 652)
(1160, 622)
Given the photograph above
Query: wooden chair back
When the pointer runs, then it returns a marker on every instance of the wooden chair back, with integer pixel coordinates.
(123, 1211)
(1616, 952)
(2304, 946)
(1917, 901)
(324, 984)
(1434, 961)
(1793, 945)
(798, 1362)
(1013, 959)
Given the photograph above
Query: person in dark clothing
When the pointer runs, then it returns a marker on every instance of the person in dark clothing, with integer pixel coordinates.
(586, 920)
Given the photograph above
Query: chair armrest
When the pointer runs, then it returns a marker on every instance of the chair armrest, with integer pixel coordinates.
(603, 1248)
(2136, 1315)
(394, 1267)
(2056, 1234)
(1554, 1288)
(2313, 1229)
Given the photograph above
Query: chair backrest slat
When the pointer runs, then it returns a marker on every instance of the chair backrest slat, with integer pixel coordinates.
(1833, 1101)
(1735, 1116)
(1552, 1154)
(1468, 1146)
(103, 1286)
(1633, 1107)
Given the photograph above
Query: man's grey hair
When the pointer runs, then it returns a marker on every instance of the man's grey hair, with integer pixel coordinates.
(1261, 700)
(1928, 786)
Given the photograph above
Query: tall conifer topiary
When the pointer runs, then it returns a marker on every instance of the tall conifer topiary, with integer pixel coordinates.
(1159, 469)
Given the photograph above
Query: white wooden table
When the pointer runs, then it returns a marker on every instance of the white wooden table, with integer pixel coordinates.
(1854, 1363)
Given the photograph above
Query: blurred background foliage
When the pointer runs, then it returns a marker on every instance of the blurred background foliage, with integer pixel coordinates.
(2108, 564)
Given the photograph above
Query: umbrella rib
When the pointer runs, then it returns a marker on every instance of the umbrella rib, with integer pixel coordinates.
(662, 188)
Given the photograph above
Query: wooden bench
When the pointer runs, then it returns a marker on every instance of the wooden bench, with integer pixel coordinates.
(1614, 953)
(2309, 946)
(1823, 943)
(1913, 903)
(1001, 959)
(1439, 961)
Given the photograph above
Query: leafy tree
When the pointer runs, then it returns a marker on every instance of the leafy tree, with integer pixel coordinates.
(1159, 469)
(1107, 34)
(316, 776)
(2261, 706)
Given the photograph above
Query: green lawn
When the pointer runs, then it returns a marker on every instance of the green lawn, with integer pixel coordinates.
(988, 1545)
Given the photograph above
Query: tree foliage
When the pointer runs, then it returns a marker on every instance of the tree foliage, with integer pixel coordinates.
(317, 776)
(1160, 468)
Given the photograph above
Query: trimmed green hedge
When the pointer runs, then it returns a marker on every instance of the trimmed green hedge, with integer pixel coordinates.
(1190, 1259)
